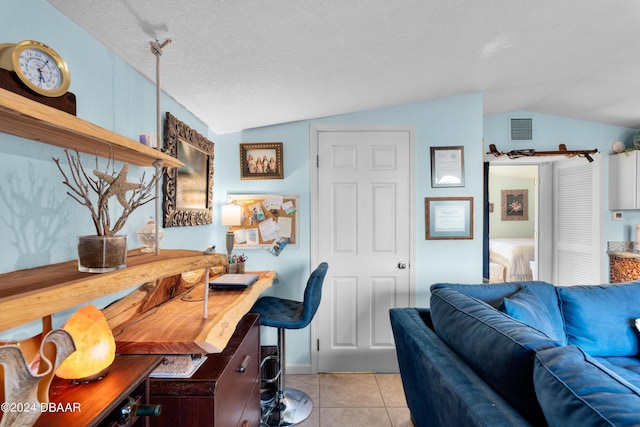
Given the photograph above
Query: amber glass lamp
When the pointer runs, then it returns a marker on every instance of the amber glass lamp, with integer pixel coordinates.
(95, 346)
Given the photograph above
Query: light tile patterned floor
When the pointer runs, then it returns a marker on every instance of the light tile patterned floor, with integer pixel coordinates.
(359, 399)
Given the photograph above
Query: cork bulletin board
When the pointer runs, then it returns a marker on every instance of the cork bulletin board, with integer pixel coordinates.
(266, 219)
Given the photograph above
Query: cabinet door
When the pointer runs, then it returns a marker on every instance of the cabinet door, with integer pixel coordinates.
(623, 181)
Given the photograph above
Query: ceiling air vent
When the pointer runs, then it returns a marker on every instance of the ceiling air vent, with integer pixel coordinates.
(522, 129)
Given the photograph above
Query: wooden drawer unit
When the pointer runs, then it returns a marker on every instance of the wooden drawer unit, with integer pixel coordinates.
(224, 391)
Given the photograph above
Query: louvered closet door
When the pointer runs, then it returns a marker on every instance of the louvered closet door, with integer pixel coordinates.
(577, 212)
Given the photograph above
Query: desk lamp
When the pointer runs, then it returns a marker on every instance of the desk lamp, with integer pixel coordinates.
(231, 216)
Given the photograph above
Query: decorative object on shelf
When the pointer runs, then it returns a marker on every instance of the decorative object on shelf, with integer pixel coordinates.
(25, 389)
(95, 346)
(147, 235)
(34, 70)
(188, 190)
(447, 166)
(618, 146)
(530, 152)
(261, 161)
(105, 186)
(231, 216)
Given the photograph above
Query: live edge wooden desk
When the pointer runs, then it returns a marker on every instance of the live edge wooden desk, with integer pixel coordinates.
(177, 326)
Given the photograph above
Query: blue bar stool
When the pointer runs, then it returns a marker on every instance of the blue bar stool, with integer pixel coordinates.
(291, 406)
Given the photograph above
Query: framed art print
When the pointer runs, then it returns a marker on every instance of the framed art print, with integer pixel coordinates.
(261, 160)
(447, 166)
(449, 218)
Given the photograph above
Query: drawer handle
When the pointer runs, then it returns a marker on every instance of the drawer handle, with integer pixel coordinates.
(244, 363)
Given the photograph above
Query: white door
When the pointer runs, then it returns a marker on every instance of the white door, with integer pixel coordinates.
(364, 217)
(577, 221)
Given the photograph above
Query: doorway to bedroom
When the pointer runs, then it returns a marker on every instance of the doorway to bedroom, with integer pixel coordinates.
(565, 208)
(512, 212)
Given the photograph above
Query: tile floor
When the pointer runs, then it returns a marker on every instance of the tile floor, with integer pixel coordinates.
(359, 399)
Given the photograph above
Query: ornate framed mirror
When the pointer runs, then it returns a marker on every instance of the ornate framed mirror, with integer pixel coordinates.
(187, 190)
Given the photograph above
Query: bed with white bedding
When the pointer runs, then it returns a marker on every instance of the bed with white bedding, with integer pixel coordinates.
(515, 254)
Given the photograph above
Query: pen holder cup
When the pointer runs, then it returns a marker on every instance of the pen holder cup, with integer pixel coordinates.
(236, 268)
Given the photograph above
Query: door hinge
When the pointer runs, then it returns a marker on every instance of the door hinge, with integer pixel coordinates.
(317, 161)
(318, 345)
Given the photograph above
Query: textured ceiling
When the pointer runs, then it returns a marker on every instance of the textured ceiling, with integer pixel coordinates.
(239, 64)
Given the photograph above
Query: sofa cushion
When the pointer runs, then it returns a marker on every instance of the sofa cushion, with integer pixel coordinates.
(599, 319)
(575, 390)
(493, 294)
(627, 367)
(499, 348)
(528, 308)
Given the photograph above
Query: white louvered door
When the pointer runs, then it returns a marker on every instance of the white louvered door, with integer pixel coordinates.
(577, 211)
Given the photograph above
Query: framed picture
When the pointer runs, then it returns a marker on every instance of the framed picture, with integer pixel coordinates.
(515, 205)
(261, 160)
(187, 190)
(449, 218)
(447, 166)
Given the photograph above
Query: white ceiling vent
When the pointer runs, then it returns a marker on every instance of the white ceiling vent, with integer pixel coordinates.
(521, 129)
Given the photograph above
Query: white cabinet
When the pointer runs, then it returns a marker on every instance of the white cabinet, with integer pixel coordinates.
(624, 170)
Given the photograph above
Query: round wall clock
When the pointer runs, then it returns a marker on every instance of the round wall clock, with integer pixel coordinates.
(40, 68)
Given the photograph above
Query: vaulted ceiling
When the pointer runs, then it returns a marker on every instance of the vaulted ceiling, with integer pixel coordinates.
(239, 64)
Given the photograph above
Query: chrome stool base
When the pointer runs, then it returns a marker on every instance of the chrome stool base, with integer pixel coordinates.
(293, 408)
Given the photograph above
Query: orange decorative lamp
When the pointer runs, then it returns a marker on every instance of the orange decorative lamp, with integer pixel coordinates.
(95, 346)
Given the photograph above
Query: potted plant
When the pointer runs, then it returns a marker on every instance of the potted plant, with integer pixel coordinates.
(106, 250)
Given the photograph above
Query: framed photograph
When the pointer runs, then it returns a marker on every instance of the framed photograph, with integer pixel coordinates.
(261, 160)
(187, 190)
(447, 166)
(449, 218)
(515, 205)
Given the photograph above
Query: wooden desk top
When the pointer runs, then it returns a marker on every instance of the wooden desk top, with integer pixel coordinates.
(177, 326)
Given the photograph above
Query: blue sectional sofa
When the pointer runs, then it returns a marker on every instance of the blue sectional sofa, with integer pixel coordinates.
(522, 354)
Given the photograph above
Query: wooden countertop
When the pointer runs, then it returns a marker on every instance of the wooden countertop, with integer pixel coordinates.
(178, 327)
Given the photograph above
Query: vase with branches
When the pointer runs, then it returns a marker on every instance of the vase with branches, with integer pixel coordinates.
(95, 190)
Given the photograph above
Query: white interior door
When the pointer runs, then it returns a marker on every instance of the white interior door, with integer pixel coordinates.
(365, 220)
(577, 221)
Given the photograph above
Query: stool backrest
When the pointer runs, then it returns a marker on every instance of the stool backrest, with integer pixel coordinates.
(313, 292)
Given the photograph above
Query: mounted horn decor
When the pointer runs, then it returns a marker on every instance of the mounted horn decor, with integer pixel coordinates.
(530, 152)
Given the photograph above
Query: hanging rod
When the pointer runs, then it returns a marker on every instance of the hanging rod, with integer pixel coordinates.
(530, 152)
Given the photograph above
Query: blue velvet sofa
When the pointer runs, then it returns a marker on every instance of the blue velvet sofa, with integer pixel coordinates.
(522, 354)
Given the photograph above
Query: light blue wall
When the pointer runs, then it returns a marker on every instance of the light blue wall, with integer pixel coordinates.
(38, 222)
(116, 97)
(548, 133)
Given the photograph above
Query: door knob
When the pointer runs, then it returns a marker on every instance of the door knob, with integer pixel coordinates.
(402, 265)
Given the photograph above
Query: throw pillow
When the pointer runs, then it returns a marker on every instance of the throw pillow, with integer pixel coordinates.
(528, 308)
(599, 319)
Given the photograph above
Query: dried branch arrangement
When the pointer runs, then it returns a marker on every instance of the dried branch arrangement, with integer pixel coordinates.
(85, 187)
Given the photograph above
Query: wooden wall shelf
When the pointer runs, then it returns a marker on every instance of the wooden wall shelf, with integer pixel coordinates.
(28, 295)
(25, 118)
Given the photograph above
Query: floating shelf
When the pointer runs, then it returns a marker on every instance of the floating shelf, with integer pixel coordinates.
(28, 295)
(25, 118)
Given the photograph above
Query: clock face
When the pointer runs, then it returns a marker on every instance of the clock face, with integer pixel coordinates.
(40, 68)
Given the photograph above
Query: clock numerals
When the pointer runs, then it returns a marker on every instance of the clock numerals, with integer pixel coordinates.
(40, 68)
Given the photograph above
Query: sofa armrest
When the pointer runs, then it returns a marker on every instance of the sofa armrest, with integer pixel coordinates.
(441, 390)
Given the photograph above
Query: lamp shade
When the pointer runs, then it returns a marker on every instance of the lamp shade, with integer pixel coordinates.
(231, 215)
(95, 345)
